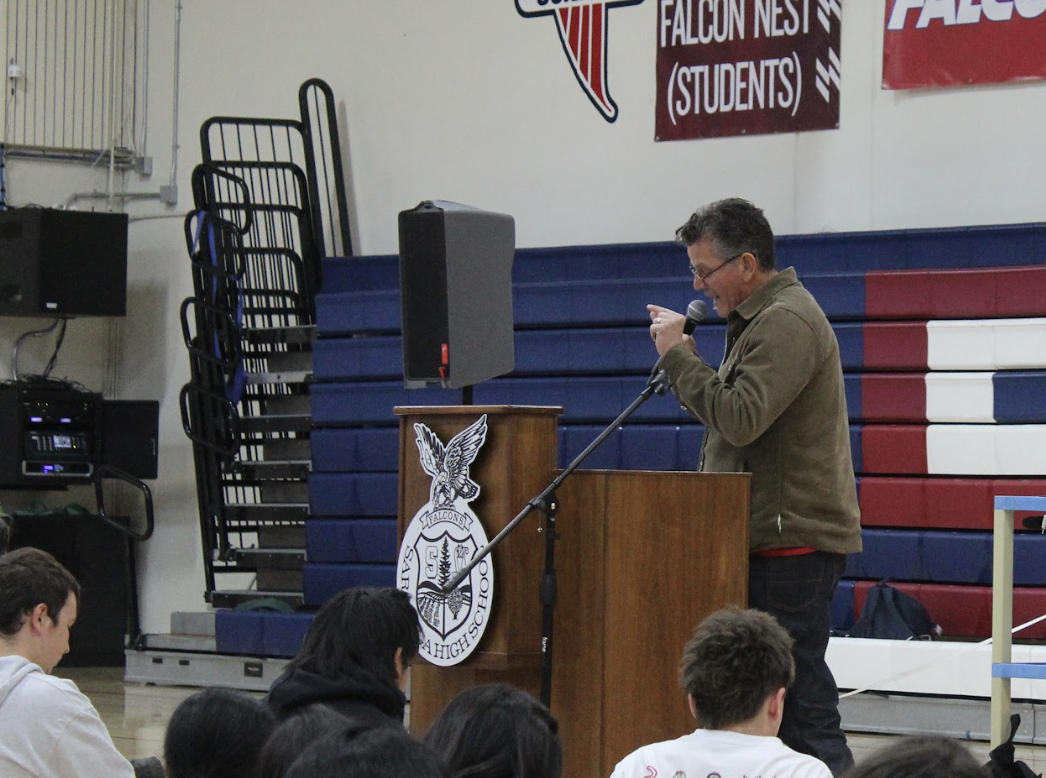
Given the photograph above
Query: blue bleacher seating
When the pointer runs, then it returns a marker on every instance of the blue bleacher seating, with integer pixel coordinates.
(581, 343)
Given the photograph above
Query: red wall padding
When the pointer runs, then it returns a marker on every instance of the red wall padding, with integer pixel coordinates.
(893, 397)
(895, 346)
(939, 503)
(981, 293)
(894, 449)
(966, 611)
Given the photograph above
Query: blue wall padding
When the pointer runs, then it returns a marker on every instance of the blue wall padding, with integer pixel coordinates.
(1020, 397)
(659, 447)
(820, 253)
(949, 247)
(372, 402)
(911, 555)
(238, 632)
(842, 607)
(855, 447)
(614, 301)
(323, 581)
(918, 555)
(350, 540)
(894, 555)
(613, 350)
(542, 352)
(851, 344)
(354, 274)
(665, 259)
(852, 386)
(353, 494)
(840, 295)
(341, 312)
(634, 447)
(711, 342)
(955, 557)
(283, 633)
(549, 351)
(583, 398)
(944, 557)
(689, 438)
(367, 449)
(1029, 559)
(573, 439)
(358, 358)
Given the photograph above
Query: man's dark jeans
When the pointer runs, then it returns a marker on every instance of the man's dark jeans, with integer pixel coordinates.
(797, 591)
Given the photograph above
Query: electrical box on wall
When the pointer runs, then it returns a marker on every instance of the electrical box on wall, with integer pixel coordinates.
(62, 263)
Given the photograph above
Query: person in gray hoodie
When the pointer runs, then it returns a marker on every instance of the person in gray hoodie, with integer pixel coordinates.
(48, 728)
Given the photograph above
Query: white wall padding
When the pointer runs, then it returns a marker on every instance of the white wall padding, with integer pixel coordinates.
(975, 449)
(926, 667)
(960, 397)
(986, 344)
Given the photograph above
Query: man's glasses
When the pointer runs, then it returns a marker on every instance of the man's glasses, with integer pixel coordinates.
(705, 276)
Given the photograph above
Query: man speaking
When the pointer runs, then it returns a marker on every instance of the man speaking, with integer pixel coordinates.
(775, 408)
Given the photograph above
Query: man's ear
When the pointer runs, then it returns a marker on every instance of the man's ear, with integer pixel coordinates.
(39, 618)
(775, 705)
(692, 705)
(750, 262)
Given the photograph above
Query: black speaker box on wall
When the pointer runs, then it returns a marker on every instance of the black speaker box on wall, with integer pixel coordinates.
(456, 294)
(130, 430)
(62, 263)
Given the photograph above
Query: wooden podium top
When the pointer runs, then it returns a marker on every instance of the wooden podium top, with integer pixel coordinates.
(454, 410)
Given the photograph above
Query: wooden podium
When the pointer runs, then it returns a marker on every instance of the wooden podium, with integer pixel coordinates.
(642, 558)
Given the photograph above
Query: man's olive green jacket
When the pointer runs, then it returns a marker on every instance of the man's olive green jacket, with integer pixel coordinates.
(776, 408)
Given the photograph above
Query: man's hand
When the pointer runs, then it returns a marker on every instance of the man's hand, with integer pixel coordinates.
(666, 329)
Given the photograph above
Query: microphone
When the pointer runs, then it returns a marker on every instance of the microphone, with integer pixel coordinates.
(695, 312)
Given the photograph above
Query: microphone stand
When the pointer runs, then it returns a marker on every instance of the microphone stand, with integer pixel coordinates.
(549, 504)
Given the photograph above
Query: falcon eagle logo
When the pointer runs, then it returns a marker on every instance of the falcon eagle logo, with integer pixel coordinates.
(449, 466)
(582, 26)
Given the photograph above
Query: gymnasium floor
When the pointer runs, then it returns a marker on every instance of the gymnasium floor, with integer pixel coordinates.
(137, 715)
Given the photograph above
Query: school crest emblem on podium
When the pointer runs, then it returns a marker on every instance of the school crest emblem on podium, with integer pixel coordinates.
(441, 539)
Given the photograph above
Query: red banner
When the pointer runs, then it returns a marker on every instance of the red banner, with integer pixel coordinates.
(746, 67)
(959, 42)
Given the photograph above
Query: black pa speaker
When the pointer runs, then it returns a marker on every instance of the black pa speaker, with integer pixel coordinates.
(129, 433)
(456, 294)
(62, 263)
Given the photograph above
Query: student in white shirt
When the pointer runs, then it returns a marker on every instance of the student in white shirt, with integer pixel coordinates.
(735, 672)
(48, 728)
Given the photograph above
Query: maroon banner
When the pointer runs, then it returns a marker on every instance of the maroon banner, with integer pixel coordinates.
(746, 67)
(959, 42)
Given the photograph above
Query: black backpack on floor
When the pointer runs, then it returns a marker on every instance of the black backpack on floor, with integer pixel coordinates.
(891, 614)
(1001, 763)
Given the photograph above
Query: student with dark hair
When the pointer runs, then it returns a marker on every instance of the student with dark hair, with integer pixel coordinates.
(359, 751)
(921, 756)
(497, 731)
(48, 728)
(736, 670)
(216, 733)
(293, 734)
(355, 658)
